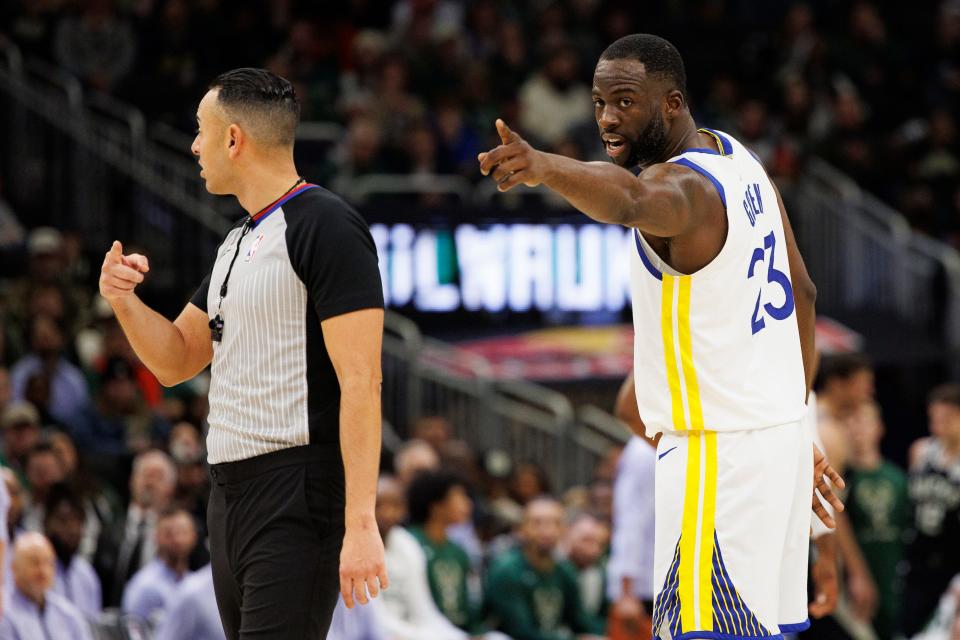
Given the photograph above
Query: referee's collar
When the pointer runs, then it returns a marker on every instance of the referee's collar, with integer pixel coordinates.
(258, 217)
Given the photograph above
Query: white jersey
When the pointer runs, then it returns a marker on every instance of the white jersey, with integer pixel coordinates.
(719, 349)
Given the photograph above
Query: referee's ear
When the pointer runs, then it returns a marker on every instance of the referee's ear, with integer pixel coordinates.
(235, 140)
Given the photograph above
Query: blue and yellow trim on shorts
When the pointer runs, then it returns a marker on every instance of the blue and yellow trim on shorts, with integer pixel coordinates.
(698, 598)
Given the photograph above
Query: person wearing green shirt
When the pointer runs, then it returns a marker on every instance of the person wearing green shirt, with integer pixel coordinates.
(437, 500)
(879, 511)
(532, 594)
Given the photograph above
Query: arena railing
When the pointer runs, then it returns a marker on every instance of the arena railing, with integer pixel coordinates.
(865, 257)
(422, 377)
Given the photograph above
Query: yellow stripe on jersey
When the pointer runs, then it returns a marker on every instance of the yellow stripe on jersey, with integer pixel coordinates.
(706, 530)
(669, 353)
(686, 355)
(688, 536)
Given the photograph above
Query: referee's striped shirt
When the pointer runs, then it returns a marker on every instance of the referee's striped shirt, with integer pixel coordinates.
(308, 257)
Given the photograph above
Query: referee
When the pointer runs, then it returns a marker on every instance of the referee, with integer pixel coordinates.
(291, 318)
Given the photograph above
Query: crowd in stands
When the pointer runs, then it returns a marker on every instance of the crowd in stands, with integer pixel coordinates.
(110, 468)
(872, 87)
(108, 485)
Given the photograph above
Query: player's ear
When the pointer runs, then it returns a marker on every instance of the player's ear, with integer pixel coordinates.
(674, 103)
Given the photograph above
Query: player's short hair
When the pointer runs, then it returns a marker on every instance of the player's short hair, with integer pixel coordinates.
(260, 101)
(841, 366)
(427, 489)
(659, 57)
(945, 393)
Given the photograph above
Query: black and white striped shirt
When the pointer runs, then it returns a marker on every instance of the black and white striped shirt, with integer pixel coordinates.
(307, 257)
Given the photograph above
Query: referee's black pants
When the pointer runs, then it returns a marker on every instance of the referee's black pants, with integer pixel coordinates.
(276, 528)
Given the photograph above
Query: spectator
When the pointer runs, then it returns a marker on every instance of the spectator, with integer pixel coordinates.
(528, 481)
(151, 589)
(630, 567)
(125, 423)
(435, 431)
(44, 470)
(69, 398)
(98, 45)
(553, 100)
(21, 432)
(408, 611)
(933, 555)
(533, 596)
(34, 610)
(359, 623)
(844, 383)
(878, 506)
(14, 526)
(438, 501)
(413, 458)
(63, 525)
(585, 548)
(193, 612)
(100, 501)
(6, 391)
(193, 486)
(122, 553)
(5, 503)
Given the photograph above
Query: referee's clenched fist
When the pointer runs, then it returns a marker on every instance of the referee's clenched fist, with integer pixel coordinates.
(120, 274)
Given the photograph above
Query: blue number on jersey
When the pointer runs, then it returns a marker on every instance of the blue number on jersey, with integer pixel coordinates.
(774, 276)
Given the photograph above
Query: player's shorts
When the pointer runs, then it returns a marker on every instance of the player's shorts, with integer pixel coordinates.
(732, 533)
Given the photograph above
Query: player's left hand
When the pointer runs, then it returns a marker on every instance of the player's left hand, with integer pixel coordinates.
(362, 565)
(514, 162)
(821, 472)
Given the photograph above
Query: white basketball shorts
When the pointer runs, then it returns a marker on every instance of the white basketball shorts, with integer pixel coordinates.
(732, 533)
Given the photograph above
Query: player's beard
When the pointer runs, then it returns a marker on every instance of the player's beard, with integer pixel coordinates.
(650, 145)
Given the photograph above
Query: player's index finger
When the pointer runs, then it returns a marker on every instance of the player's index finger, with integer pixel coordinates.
(505, 132)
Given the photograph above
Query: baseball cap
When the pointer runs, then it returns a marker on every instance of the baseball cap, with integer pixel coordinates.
(44, 240)
(19, 413)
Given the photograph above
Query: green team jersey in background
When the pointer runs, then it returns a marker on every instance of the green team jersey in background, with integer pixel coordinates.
(879, 510)
(448, 569)
(530, 605)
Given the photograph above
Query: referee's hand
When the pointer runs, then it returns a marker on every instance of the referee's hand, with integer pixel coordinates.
(120, 274)
(362, 567)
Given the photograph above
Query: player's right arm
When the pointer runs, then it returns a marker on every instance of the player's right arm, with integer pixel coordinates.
(173, 351)
(666, 200)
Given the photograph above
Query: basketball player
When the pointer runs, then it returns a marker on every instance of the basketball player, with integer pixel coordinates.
(724, 317)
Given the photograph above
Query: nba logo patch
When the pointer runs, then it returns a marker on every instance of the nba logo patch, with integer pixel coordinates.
(252, 251)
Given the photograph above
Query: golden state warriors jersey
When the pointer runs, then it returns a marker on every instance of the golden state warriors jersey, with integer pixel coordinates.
(719, 349)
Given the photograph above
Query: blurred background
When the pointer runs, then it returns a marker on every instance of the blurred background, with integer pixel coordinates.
(509, 329)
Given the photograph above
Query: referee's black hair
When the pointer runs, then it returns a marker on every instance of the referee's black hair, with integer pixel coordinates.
(659, 57)
(262, 101)
(428, 489)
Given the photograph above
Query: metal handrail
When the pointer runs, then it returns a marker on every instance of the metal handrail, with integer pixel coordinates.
(57, 77)
(12, 56)
(120, 111)
(319, 131)
(360, 189)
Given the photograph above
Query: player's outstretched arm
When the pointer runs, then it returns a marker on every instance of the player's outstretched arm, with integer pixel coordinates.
(173, 351)
(662, 201)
